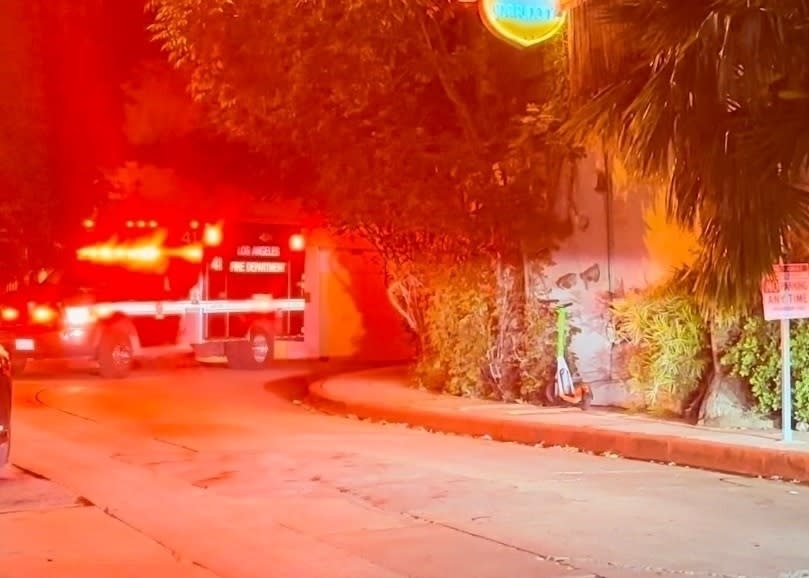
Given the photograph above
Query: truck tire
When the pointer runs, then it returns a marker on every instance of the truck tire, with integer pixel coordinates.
(115, 353)
(254, 353)
(261, 351)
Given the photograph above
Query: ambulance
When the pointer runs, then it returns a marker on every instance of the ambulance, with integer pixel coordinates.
(137, 281)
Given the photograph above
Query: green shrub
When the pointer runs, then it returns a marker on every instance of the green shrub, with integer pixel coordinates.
(669, 346)
(457, 329)
(460, 324)
(756, 358)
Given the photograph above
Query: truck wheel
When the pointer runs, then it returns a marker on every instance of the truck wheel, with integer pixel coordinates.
(18, 365)
(115, 354)
(261, 342)
(254, 353)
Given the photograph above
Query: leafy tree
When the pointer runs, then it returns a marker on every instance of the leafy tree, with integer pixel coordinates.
(156, 106)
(409, 116)
(712, 98)
(59, 65)
(25, 162)
(173, 151)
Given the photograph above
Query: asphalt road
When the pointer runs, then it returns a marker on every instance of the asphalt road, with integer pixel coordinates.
(227, 474)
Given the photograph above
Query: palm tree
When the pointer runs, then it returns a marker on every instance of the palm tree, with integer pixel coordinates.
(712, 96)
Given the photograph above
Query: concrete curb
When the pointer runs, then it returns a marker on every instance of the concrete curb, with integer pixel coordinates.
(730, 458)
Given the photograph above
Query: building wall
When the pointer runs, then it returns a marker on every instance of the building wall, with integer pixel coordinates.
(621, 241)
(349, 314)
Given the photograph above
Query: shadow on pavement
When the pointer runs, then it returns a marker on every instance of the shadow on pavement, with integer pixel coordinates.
(296, 387)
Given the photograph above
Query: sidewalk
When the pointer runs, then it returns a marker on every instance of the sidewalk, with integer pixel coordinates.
(383, 395)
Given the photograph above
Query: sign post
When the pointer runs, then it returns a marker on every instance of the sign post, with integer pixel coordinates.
(786, 383)
(785, 294)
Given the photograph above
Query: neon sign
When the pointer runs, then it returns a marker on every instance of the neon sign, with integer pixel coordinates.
(524, 23)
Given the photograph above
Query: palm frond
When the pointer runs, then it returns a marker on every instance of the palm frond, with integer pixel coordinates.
(714, 96)
(734, 256)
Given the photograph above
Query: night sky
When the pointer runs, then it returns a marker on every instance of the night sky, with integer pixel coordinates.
(63, 66)
(74, 57)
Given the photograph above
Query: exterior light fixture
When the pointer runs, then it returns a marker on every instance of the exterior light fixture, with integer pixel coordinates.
(523, 23)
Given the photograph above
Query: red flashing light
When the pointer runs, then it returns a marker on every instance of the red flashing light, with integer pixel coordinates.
(212, 237)
(194, 225)
(191, 253)
(297, 242)
(9, 314)
(147, 253)
(43, 314)
(88, 223)
(117, 254)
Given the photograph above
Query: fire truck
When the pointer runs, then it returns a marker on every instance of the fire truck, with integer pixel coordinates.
(135, 281)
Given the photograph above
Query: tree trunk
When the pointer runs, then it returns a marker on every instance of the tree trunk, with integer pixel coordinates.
(511, 321)
(726, 402)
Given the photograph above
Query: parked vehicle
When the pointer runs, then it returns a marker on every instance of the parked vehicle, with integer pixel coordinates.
(5, 406)
(221, 289)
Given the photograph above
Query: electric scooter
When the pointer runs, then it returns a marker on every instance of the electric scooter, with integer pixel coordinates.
(563, 391)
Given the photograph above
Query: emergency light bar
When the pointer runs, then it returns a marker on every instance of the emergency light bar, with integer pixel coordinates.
(135, 254)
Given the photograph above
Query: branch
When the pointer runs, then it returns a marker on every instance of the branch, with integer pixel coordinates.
(465, 116)
(399, 298)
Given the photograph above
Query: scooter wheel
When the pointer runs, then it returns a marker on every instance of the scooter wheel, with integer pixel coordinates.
(586, 398)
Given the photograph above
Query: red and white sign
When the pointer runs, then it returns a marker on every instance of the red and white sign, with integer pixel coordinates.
(786, 292)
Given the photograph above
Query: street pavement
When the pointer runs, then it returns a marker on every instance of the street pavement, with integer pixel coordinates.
(47, 531)
(210, 472)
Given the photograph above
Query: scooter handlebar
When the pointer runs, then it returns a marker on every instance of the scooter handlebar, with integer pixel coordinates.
(557, 303)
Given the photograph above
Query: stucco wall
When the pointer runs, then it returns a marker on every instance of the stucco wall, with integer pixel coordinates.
(349, 315)
(622, 241)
